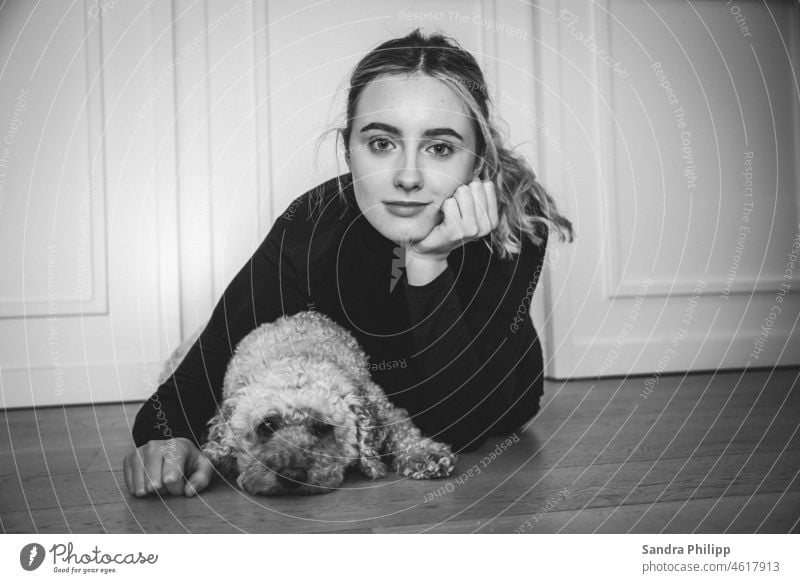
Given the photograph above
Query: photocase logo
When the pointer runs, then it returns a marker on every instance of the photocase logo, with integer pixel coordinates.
(31, 556)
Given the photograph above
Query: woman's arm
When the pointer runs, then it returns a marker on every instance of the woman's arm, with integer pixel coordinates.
(267, 286)
(478, 359)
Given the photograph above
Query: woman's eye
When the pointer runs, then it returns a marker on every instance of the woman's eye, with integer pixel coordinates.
(381, 145)
(441, 150)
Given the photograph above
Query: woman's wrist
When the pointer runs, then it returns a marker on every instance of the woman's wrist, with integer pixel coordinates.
(421, 268)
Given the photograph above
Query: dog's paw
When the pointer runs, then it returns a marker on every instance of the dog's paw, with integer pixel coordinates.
(426, 461)
(372, 467)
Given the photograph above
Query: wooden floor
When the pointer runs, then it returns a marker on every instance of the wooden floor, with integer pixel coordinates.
(705, 453)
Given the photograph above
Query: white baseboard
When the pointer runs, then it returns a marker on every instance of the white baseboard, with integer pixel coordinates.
(77, 384)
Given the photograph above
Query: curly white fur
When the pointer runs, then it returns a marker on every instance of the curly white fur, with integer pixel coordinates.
(299, 407)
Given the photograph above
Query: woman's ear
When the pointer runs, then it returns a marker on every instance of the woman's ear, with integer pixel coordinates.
(221, 448)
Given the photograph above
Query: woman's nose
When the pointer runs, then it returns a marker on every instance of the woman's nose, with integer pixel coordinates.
(408, 177)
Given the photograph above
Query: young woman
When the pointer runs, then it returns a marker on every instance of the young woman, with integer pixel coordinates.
(428, 250)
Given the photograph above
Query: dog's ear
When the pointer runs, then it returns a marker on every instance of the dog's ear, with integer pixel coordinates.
(370, 436)
(221, 448)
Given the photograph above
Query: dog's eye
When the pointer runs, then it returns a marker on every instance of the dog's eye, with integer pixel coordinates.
(266, 428)
(322, 429)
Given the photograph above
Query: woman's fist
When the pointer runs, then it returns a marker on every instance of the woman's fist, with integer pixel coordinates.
(470, 213)
(175, 466)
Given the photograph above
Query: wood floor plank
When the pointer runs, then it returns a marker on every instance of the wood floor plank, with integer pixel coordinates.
(682, 393)
(224, 510)
(504, 490)
(762, 513)
(119, 518)
(40, 460)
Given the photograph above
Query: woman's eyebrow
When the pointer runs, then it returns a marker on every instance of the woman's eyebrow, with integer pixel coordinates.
(376, 125)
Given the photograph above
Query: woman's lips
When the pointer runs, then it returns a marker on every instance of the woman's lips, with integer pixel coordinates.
(405, 209)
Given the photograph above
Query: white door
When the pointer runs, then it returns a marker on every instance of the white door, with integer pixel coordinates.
(88, 293)
(678, 156)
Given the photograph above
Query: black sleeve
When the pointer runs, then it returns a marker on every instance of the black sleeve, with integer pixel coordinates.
(478, 360)
(268, 286)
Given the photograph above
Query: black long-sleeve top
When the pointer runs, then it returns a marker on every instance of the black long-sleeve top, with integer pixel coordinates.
(460, 353)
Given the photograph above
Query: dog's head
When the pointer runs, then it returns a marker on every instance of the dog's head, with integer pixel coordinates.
(295, 432)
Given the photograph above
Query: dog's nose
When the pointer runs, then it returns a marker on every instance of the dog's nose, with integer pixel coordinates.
(292, 477)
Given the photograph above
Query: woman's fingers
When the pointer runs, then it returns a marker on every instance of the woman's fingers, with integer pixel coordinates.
(200, 470)
(138, 477)
(154, 462)
(466, 205)
(161, 466)
(478, 204)
(173, 472)
(480, 195)
(451, 212)
(491, 201)
(126, 472)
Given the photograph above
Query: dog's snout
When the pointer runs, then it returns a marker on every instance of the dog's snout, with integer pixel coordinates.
(292, 478)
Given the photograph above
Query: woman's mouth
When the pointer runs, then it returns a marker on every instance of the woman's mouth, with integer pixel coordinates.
(405, 209)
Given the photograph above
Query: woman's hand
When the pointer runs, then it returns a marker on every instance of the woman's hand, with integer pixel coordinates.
(161, 466)
(469, 214)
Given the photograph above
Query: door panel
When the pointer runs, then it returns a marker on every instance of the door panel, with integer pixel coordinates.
(680, 125)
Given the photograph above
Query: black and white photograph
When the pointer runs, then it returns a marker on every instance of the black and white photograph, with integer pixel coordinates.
(507, 267)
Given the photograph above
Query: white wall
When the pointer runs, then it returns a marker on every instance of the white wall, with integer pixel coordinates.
(147, 148)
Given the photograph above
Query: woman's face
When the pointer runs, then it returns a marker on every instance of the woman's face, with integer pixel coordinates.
(411, 145)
